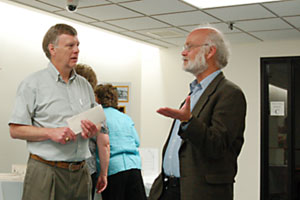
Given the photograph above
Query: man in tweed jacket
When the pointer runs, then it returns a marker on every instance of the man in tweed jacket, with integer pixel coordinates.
(200, 155)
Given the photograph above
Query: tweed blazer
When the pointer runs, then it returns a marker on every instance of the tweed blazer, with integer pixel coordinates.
(210, 144)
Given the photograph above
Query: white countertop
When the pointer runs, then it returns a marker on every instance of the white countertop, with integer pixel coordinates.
(11, 186)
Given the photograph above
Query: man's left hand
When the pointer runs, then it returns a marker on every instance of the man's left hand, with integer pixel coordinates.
(89, 129)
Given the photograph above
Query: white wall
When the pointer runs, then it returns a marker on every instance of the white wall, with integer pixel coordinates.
(244, 69)
(114, 59)
(156, 77)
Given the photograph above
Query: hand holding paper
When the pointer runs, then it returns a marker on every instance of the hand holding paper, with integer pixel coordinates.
(95, 115)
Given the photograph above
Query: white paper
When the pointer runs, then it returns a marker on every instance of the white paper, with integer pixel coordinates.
(277, 108)
(149, 158)
(95, 115)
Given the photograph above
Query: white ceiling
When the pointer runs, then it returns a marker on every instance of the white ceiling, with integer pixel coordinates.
(166, 23)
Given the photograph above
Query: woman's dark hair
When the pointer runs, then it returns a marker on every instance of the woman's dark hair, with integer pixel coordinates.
(107, 95)
(88, 73)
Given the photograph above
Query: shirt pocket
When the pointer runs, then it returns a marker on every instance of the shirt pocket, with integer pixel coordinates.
(84, 104)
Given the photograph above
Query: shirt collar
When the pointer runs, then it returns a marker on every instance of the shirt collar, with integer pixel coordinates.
(194, 85)
(56, 75)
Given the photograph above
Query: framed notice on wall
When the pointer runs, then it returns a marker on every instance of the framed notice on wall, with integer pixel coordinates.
(123, 93)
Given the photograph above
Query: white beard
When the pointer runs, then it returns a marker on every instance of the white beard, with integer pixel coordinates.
(197, 66)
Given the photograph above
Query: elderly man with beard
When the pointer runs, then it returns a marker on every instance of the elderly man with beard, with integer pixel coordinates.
(200, 155)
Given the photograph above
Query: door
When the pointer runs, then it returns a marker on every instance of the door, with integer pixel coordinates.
(280, 128)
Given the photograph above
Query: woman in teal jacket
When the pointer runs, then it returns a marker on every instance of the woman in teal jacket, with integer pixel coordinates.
(124, 173)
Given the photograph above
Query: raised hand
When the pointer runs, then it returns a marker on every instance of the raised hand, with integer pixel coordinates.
(183, 114)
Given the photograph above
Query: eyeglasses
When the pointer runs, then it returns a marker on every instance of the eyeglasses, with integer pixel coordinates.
(190, 47)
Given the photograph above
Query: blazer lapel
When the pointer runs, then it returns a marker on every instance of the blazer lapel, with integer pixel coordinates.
(201, 102)
(207, 93)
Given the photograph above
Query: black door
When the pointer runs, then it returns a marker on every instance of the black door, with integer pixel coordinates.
(280, 128)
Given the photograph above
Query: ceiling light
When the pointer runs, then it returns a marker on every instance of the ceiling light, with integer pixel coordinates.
(222, 3)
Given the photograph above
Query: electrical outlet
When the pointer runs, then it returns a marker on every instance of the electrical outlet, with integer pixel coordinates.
(18, 169)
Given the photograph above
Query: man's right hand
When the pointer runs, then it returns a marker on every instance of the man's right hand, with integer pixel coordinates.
(183, 114)
(62, 135)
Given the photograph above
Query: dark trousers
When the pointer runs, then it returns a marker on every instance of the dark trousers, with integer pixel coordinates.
(94, 183)
(171, 189)
(125, 185)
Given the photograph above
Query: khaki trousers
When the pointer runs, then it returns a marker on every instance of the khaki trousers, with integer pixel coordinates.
(45, 182)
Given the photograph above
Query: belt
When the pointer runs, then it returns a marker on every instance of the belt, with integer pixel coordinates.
(172, 181)
(72, 166)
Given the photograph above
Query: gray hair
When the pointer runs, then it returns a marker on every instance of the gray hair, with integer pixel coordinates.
(216, 38)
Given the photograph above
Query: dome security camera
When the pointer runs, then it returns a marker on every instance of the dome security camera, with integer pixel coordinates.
(72, 5)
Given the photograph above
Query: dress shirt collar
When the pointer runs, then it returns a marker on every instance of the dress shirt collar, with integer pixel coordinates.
(56, 75)
(195, 86)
